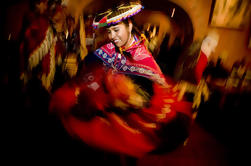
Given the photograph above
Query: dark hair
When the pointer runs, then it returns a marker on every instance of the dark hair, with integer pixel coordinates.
(135, 28)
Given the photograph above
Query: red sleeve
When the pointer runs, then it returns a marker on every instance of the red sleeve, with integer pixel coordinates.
(200, 66)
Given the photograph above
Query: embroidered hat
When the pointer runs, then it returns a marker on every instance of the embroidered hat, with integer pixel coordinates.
(117, 14)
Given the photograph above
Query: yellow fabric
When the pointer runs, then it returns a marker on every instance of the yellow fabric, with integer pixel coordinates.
(83, 49)
(198, 90)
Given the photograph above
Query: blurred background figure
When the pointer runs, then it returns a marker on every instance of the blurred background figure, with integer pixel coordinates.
(52, 42)
(190, 69)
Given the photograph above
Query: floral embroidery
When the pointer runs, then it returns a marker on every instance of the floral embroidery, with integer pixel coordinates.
(141, 54)
(123, 61)
(132, 69)
(110, 46)
(104, 55)
(125, 68)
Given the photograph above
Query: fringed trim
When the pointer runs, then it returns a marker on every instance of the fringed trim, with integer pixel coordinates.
(136, 9)
(48, 79)
(158, 79)
(133, 11)
(37, 55)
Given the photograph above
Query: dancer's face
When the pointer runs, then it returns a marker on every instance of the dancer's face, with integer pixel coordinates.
(120, 34)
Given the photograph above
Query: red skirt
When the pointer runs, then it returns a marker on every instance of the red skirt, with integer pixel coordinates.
(88, 112)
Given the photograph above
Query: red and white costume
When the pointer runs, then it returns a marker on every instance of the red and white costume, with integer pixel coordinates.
(116, 124)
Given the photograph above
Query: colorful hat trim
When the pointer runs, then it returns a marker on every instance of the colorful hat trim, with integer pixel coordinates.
(135, 8)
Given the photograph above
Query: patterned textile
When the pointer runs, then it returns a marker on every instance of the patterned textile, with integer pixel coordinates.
(141, 63)
(105, 108)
